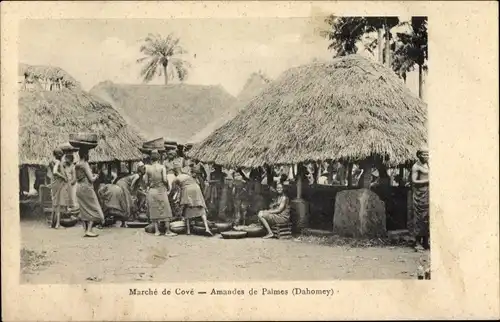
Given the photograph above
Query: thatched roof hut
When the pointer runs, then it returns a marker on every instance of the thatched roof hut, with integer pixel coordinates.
(42, 73)
(175, 111)
(253, 86)
(46, 118)
(348, 109)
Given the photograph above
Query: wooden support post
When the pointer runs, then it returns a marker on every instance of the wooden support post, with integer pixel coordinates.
(299, 181)
(401, 176)
(318, 173)
(349, 174)
(366, 177)
(269, 174)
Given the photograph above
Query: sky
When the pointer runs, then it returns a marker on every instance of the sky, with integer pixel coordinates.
(221, 51)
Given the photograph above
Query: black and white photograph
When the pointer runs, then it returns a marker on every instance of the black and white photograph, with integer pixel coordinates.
(269, 149)
(249, 160)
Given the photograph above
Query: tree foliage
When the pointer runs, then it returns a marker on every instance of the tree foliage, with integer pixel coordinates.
(347, 32)
(161, 57)
(411, 48)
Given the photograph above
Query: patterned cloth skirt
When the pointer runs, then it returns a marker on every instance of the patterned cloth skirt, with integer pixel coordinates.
(274, 219)
(129, 201)
(194, 212)
(191, 195)
(421, 210)
(90, 209)
(158, 204)
(60, 193)
(113, 200)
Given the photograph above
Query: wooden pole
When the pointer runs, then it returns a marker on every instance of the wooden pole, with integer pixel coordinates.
(299, 181)
(269, 174)
(319, 171)
(349, 174)
(401, 176)
(366, 165)
(130, 167)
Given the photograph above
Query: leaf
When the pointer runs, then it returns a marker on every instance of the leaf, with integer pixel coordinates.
(159, 52)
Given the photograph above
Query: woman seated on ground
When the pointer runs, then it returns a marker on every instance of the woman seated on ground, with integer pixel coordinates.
(190, 198)
(278, 212)
(118, 198)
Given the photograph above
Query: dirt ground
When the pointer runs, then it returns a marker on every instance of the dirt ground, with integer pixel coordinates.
(131, 255)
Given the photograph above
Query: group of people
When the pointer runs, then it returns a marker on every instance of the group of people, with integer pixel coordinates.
(72, 189)
(176, 187)
(164, 189)
(173, 178)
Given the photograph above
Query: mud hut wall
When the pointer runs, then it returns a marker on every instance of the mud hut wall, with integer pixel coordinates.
(321, 203)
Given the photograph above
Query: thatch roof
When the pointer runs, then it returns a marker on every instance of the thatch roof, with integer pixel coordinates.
(46, 118)
(253, 86)
(175, 112)
(350, 108)
(39, 72)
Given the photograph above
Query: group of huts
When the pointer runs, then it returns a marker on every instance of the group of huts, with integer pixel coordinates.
(350, 109)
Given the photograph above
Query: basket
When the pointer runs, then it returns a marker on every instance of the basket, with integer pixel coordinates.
(82, 144)
(223, 226)
(178, 227)
(73, 212)
(254, 231)
(178, 230)
(150, 228)
(68, 222)
(177, 224)
(200, 230)
(156, 144)
(84, 137)
(171, 144)
(148, 150)
(68, 148)
(234, 234)
(199, 223)
(136, 224)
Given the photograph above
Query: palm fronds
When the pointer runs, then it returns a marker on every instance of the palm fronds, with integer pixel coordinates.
(160, 54)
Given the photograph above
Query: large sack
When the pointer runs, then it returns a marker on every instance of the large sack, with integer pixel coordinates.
(359, 213)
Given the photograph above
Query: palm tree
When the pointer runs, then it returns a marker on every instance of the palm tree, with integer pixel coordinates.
(161, 58)
(347, 32)
(411, 50)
